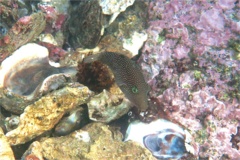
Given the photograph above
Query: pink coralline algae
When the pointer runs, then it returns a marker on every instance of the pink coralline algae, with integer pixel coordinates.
(226, 4)
(207, 118)
(55, 53)
(55, 19)
(24, 30)
(191, 62)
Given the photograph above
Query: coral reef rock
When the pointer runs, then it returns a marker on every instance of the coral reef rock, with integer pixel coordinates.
(77, 119)
(190, 61)
(114, 7)
(206, 118)
(95, 141)
(45, 113)
(130, 27)
(106, 106)
(111, 44)
(27, 74)
(6, 152)
(9, 12)
(25, 30)
(134, 43)
(84, 26)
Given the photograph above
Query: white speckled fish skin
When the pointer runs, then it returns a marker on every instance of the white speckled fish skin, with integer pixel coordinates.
(128, 76)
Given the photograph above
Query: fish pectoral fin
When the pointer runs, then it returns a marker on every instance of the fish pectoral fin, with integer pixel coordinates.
(122, 85)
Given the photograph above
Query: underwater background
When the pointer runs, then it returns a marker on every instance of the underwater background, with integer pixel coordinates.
(120, 79)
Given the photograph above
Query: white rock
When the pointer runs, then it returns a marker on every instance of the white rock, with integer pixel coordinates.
(110, 7)
(134, 43)
(83, 136)
(114, 7)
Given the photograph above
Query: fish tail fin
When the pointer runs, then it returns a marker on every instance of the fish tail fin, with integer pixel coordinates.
(91, 58)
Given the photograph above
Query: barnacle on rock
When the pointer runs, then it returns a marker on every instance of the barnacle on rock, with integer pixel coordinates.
(106, 107)
(27, 75)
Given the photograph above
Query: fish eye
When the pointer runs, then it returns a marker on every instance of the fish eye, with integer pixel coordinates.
(134, 89)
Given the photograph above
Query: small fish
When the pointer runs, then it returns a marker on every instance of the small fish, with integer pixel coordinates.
(128, 77)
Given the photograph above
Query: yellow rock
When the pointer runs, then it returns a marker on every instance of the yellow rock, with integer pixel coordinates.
(6, 152)
(45, 113)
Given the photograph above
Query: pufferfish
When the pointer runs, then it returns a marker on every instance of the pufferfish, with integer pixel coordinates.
(128, 77)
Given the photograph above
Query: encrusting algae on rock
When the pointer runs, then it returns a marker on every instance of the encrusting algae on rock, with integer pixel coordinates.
(108, 106)
(94, 141)
(6, 152)
(190, 60)
(26, 29)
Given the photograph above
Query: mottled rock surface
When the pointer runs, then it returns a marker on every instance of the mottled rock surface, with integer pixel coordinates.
(45, 113)
(84, 25)
(25, 30)
(6, 152)
(95, 141)
(106, 107)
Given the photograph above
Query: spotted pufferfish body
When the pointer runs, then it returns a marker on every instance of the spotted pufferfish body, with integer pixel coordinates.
(128, 76)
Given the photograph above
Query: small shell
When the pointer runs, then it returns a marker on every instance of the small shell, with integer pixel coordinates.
(163, 138)
(165, 144)
(11, 123)
(27, 75)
